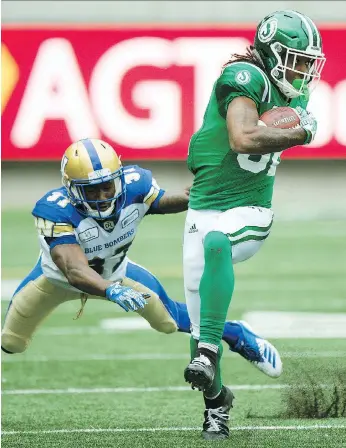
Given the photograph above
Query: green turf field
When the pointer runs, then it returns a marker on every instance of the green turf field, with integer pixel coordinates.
(80, 385)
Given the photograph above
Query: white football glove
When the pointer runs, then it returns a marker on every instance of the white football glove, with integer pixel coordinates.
(308, 123)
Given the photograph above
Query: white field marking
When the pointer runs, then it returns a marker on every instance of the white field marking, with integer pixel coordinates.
(8, 287)
(122, 390)
(125, 323)
(150, 357)
(77, 330)
(99, 357)
(289, 325)
(172, 429)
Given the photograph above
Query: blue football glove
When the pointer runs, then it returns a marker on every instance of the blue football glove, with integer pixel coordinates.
(308, 123)
(127, 298)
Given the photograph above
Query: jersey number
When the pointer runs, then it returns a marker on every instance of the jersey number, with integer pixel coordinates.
(97, 263)
(55, 196)
(255, 163)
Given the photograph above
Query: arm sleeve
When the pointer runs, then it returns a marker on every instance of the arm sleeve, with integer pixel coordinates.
(241, 79)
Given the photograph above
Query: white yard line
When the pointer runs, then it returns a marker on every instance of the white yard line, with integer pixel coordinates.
(297, 324)
(172, 429)
(121, 390)
(150, 357)
(99, 357)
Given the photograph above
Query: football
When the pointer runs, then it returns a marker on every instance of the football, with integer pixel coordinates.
(280, 117)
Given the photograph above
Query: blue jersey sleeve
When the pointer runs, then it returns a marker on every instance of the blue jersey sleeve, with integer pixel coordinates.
(56, 218)
(141, 187)
(56, 241)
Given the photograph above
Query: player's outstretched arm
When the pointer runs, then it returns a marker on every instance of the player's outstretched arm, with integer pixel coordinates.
(174, 203)
(73, 263)
(246, 137)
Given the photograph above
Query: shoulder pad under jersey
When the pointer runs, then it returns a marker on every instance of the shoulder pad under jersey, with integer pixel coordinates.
(141, 187)
(242, 79)
(56, 207)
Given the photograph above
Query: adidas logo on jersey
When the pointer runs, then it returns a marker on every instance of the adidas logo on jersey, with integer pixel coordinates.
(193, 229)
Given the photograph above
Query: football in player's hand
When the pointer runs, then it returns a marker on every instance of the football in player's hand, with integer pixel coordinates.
(280, 117)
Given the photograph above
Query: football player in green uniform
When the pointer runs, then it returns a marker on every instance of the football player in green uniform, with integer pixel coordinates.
(234, 160)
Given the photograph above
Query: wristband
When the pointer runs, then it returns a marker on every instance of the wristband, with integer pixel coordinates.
(308, 137)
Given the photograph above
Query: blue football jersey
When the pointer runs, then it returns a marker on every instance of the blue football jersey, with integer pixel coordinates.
(105, 243)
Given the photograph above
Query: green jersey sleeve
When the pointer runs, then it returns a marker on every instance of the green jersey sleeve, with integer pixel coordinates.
(241, 79)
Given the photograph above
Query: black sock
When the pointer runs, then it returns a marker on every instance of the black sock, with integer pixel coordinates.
(215, 402)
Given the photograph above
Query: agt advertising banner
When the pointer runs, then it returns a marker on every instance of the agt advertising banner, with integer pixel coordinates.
(142, 89)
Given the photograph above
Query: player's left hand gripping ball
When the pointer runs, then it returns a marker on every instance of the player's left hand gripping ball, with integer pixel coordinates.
(127, 298)
(308, 122)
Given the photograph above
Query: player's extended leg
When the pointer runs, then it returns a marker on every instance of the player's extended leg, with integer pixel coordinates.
(237, 334)
(32, 302)
(159, 318)
(246, 228)
(215, 290)
(218, 400)
(209, 284)
(176, 310)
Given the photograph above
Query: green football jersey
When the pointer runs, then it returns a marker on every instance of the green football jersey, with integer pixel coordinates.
(223, 178)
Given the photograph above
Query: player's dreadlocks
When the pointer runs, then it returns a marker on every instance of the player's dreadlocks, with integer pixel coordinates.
(251, 56)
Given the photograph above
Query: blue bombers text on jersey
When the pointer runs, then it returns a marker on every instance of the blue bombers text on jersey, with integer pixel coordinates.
(105, 243)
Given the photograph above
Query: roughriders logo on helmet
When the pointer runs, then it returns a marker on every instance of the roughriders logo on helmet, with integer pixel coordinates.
(285, 39)
(267, 30)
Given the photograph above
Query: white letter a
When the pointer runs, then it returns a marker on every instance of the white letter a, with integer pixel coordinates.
(55, 90)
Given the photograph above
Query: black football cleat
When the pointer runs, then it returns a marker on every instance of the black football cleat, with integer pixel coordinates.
(200, 373)
(215, 426)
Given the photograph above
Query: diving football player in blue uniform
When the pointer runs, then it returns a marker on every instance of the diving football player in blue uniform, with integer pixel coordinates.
(85, 230)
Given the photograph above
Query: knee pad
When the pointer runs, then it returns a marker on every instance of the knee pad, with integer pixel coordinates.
(216, 244)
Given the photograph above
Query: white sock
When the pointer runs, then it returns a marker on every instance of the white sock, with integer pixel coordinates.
(212, 347)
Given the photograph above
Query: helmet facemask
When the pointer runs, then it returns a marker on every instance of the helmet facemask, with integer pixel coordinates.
(92, 208)
(286, 61)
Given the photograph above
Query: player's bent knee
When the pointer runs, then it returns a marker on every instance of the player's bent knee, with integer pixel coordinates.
(216, 244)
(167, 327)
(154, 311)
(4, 350)
(11, 343)
(158, 317)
